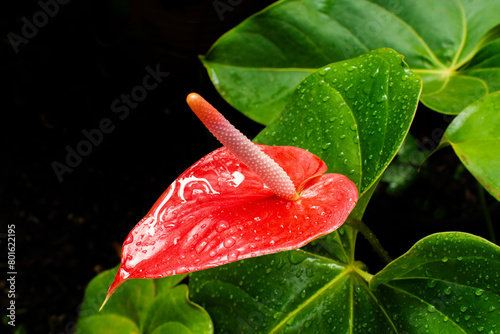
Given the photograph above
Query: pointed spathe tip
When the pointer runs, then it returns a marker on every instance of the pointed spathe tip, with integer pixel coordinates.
(104, 302)
(115, 285)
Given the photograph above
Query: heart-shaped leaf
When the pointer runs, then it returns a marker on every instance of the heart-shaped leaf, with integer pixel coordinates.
(140, 306)
(353, 114)
(335, 112)
(257, 65)
(475, 136)
(447, 283)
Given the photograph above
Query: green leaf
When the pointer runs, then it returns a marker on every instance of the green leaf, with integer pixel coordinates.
(446, 283)
(172, 327)
(140, 306)
(172, 307)
(289, 292)
(131, 301)
(475, 136)
(452, 45)
(353, 114)
(106, 324)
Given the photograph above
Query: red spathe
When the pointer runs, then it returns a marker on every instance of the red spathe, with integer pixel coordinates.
(219, 211)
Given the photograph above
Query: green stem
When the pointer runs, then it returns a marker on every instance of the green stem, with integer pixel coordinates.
(486, 213)
(372, 239)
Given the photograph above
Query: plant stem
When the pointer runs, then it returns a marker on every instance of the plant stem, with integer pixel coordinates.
(486, 213)
(372, 239)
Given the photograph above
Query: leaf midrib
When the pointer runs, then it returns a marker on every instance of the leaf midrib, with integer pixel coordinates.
(426, 303)
(311, 299)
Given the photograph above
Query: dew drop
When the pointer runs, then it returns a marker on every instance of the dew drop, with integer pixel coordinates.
(200, 247)
(229, 242)
(324, 71)
(431, 283)
(479, 292)
(233, 256)
(221, 226)
(382, 98)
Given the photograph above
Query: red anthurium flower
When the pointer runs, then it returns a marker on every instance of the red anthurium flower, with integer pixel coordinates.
(240, 201)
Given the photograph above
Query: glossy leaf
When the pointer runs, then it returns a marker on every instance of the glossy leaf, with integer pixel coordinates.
(475, 136)
(292, 292)
(447, 283)
(219, 211)
(135, 308)
(348, 113)
(353, 114)
(297, 291)
(257, 65)
(323, 288)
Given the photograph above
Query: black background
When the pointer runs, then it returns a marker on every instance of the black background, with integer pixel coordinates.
(63, 81)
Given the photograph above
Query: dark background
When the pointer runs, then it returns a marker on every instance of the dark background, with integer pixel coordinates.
(63, 81)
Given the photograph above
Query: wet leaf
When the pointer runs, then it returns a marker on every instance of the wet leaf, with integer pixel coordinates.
(323, 288)
(447, 283)
(353, 114)
(140, 306)
(452, 45)
(289, 292)
(475, 136)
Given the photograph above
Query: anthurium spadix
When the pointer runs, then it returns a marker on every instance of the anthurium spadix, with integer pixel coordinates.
(242, 200)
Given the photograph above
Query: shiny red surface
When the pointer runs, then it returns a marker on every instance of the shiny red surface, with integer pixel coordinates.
(218, 211)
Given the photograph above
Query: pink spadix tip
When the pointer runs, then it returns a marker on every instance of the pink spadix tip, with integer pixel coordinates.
(245, 150)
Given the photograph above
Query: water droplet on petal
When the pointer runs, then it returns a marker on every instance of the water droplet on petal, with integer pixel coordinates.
(221, 226)
(229, 242)
(200, 247)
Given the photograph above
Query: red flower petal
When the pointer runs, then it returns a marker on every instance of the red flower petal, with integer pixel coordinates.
(219, 211)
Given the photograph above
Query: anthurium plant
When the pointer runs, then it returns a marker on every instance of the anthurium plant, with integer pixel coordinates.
(260, 237)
